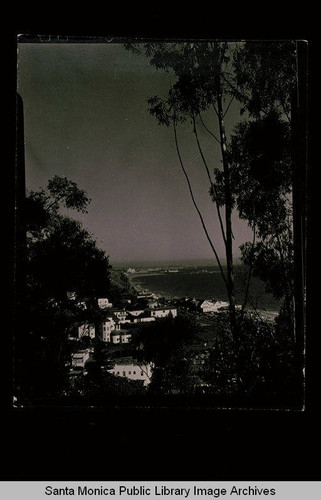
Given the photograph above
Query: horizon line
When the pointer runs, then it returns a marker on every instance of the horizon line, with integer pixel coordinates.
(168, 262)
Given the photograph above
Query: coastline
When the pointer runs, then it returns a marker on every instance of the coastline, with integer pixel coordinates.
(139, 288)
(270, 312)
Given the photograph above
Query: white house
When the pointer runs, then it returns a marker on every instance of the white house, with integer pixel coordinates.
(129, 369)
(86, 329)
(120, 314)
(79, 358)
(104, 303)
(120, 337)
(147, 319)
(116, 337)
(109, 325)
(136, 312)
(125, 337)
(163, 312)
(211, 306)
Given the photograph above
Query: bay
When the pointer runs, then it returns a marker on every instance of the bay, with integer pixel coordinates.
(201, 285)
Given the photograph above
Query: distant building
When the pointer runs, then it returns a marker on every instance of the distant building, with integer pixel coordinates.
(108, 329)
(104, 303)
(136, 312)
(79, 358)
(125, 337)
(116, 338)
(120, 314)
(129, 369)
(120, 337)
(131, 270)
(146, 317)
(108, 326)
(148, 295)
(211, 306)
(87, 329)
(163, 312)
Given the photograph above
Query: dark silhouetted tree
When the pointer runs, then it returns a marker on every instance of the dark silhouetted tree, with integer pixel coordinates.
(209, 76)
(63, 267)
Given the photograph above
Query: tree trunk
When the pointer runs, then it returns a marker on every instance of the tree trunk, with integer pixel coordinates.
(228, 219)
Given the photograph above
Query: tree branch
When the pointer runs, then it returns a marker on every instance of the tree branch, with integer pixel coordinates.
(54, 202)
(209, 131)
(228, 107)
(211, 182)
(196, 206)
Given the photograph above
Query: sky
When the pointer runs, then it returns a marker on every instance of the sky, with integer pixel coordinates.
(86, 117)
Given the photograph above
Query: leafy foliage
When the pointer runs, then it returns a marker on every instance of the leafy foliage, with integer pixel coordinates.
(63, 266)
(264, 76)
(260, 171)
(276, 271)
(67, 259)
(197, 67)
(256, 178)
(261, 364)
(165, 343)
(163, 339)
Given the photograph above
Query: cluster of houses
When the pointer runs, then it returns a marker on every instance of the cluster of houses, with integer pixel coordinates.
(116, 328)
(126, 367)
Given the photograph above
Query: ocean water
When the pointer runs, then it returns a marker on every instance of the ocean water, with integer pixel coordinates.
(202, 284)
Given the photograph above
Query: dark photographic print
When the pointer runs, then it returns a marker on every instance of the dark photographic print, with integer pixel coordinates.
(160, 232)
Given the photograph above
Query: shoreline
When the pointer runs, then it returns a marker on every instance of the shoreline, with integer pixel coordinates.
(269, 314)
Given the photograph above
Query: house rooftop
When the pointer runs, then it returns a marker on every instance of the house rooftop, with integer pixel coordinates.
(127, 361)
(79, 354)
(163, 308)
(123, 360)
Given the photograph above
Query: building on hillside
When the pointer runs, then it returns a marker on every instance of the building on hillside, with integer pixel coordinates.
(116, 337)
(108, 329)
(163, 312)
(108, 326)
(130, 369)
(121, 337)
(120, 314)
(132, 318)
(86, 329)
(104, 303)
(146, 317)
(149, 295)
(79, 358)
(213, 306)
(135, 312)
